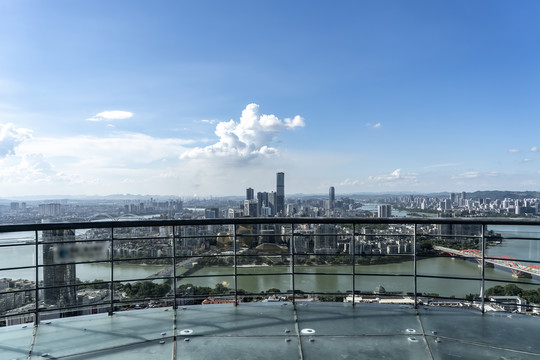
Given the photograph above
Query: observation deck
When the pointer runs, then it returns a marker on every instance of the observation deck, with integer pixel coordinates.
(289, 288)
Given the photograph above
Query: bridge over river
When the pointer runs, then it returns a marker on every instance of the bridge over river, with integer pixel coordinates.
(517, 268)
(167, 272)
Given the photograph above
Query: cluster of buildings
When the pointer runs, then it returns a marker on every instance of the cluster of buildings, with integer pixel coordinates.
(460, 203)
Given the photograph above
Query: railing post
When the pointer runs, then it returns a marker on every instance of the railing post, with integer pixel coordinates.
(293, 285)
(353, 265)
(111, 310)
(414, 267)
(36, 319)
(174, 264)
(235, 268)
(482, 284)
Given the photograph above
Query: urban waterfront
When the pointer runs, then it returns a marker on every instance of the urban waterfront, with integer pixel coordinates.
(394, 277)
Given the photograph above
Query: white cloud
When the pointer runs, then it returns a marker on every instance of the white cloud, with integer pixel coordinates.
(535, 149)
(467, 175)
(250, 138)
(111, 115)
(11, 137)
(394, 176)
(513, 151)
(116, 150)
(25, 169)
(526, 160)
(209, 121)
(348, 182)
(374, 126)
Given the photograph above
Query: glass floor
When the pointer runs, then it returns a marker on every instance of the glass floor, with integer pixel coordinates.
(279, 331)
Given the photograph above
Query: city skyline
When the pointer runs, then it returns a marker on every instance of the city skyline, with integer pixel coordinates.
(210, 99)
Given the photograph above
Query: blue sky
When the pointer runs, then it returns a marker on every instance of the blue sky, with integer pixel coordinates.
(211, 97)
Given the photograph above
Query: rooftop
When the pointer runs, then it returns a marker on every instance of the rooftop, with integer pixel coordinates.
(279, 331)
(439, 263)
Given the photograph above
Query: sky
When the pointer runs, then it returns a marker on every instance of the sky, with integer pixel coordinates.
(207, 98)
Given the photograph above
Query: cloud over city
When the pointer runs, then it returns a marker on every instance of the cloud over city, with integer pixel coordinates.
(249, 138)
(11, 137)
(111, 116)
(394, 176)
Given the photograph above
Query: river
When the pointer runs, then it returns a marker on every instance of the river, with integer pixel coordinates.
(372, 275)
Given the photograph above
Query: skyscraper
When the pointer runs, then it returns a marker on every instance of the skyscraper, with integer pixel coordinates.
(332, 198)
(385, 211)
(56, 273)
(280, 197)
(249, 194)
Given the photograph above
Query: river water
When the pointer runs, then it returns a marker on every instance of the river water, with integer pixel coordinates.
(339, 280)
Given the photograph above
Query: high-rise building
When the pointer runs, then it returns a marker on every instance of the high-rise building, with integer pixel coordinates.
(262, 201)
(55, 271)
(272, 202)
(251, 208)
(280, 194)
(385, 211)
(332, 198)
(326, 239)
(249, 194)
(52, 209)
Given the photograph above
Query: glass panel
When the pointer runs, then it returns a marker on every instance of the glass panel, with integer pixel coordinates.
(502, 268)
(210, 278)
(458, 266)
(448, 288)
(384, 285)
(514, 242)
(317, 283)
(15, 293)
(270, 283)
(140, 290)
(17, 237)
(205, 265)
(142, 269)
(202, 240)
(512, 297)
(384, 265)
(17, 256)
(58, 286)
(196, 289)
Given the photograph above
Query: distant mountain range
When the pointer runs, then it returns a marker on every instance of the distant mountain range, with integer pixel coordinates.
(486, 194)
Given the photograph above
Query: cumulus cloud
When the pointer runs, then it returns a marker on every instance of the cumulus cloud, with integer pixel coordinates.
(535, 149)
(251, 137)
(111, 115)
(25, 169)
(11, 137)
(513, 151)
(394, 176)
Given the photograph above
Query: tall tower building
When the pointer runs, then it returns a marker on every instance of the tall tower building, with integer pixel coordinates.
(384, 211)
(56, 273)
(332, 198)
(250, 194)
(280, 194)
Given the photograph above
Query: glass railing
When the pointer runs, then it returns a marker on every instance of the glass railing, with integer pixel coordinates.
(66, 269)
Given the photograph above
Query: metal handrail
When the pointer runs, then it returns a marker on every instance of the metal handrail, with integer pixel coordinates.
(292, 222)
